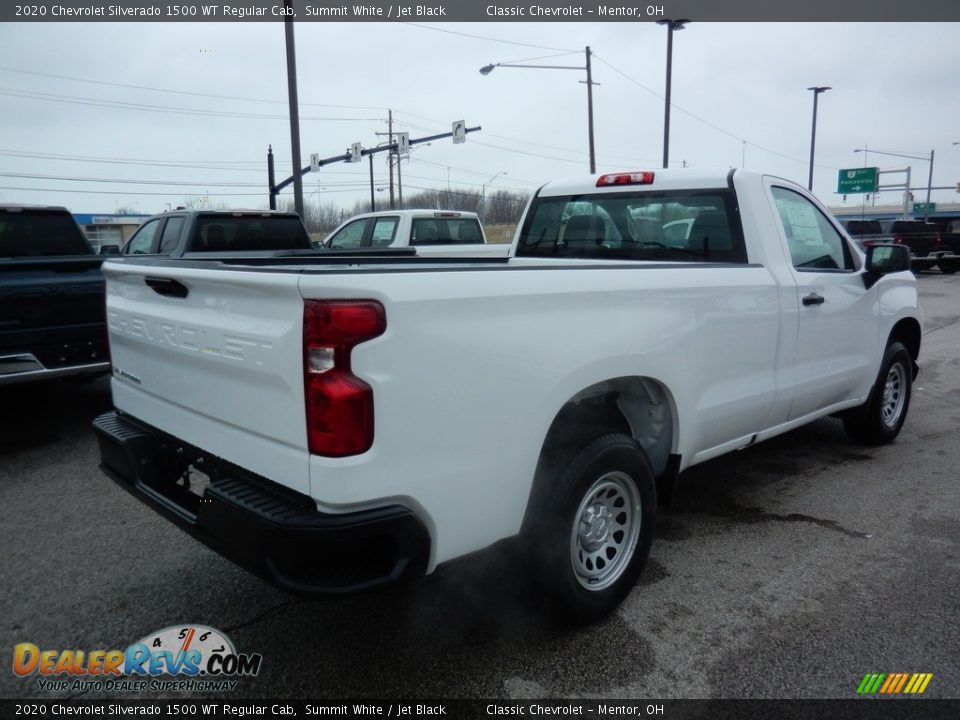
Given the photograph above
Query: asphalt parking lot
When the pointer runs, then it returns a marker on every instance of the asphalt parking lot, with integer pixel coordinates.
(788, 570)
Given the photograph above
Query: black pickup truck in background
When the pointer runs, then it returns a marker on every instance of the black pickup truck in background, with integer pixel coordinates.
(52, 310)
(929, 247)
(182, 232)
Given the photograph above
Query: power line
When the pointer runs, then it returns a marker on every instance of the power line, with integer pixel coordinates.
(152, 194)
(506, 178)
(140, 107)
(197, 165)
(169, 183)
(564, 51)
(176, 164)
(172, 183)
(184, 92)
(525, 143)
(707, 122)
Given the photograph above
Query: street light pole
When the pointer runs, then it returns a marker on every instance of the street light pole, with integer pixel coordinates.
(671, 25)
(487, 69)
(483, 194)
(813, 131)
(400, 162)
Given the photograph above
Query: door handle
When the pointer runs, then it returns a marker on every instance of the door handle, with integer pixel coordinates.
(813, 299)
(167, 287)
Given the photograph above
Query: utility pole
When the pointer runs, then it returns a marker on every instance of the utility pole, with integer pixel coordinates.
(271, 178)
(593, 153)
(390, 154)
(294, 107)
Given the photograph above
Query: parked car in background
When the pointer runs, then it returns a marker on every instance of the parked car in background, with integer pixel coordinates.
(928, 247)
(52, 316)
(861, 229)
(181, 232)
(431, 232)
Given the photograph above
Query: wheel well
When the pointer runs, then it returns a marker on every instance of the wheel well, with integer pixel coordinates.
(907, 331)
(640, 407)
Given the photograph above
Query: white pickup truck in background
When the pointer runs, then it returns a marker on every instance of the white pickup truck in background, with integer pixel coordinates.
(337, 423)
(446, 233)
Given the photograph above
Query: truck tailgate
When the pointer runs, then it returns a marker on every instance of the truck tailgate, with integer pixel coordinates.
(215, 359)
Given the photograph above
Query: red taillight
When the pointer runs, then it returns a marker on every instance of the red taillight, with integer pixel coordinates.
(898, 239)
(634, 178)
(339, 404)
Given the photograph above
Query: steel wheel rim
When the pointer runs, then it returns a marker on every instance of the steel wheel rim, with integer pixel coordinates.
(894, 395)
(606, 528)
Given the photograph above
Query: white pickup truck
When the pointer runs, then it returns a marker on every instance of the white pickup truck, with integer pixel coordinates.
(338, 423)
(434, 233)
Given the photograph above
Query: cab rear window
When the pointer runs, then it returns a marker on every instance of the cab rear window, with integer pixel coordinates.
(235, 233)
(446, 231)
(682, 226)
(32, 233)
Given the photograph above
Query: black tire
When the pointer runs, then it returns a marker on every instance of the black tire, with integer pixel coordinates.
(590, 525)
(948, 268)
(878, 421)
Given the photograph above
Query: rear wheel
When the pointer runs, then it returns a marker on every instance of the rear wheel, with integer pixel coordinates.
(879, 420)
(590, 525)
(948, 267)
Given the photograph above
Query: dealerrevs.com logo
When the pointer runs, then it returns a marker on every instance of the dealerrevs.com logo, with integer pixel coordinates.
(177, 658)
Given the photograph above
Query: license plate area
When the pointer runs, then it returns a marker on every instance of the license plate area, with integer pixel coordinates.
(183, 474)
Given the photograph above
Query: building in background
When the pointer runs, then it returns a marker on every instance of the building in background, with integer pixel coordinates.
(104, 229)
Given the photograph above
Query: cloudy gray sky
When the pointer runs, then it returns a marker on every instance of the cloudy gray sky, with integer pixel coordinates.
(100, 117)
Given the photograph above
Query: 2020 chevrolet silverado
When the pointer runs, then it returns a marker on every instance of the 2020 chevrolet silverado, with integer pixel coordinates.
(52, 315)
(338, 423)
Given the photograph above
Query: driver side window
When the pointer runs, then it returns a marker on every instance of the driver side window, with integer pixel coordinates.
(813, 241)
(142, 242)
(349, 237)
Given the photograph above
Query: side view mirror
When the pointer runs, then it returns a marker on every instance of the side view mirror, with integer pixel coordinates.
(883, 259)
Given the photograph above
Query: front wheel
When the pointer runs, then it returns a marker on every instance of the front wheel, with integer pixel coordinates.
(878, 421)
(591, 523)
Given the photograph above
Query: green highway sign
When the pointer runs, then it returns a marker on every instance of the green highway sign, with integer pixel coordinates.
(857, 180)
(924, 207)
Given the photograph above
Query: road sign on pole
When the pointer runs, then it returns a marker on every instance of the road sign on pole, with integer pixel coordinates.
(459, 132)
(403, 144)
(924, 207)
(857, 180)
(314, 161)
(355, 151)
